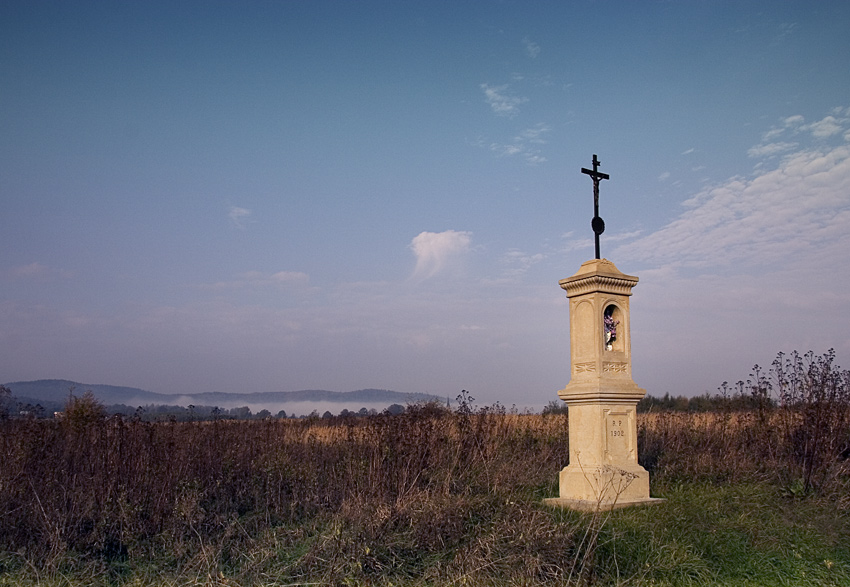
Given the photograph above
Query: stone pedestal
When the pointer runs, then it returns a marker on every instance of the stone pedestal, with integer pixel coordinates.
(603, 472)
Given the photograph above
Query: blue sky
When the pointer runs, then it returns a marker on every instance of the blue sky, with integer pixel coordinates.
(260, 196)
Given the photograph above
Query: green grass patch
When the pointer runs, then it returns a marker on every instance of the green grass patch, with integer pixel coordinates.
(735, 534)
(740, 534)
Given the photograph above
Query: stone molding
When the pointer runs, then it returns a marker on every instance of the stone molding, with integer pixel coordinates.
(598, 283)
(598, 275)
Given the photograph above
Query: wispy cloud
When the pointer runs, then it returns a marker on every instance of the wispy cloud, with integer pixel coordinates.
(534, 134)
(501, 102)
(793, 211)
(526, 144)
(775, 141)
(532, 49)
(786, 29)
(435, 251)
(623, 236)
(762, 257)
(770, 149)
(825, 128)
(518, 262)
(572, 242)
(239, 216)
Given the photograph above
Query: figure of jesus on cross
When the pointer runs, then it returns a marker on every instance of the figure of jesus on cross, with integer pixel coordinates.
(597, 223)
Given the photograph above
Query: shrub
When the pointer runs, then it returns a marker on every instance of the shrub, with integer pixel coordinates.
(82, 412)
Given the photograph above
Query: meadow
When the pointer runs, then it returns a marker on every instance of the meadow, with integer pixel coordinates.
(755, 496)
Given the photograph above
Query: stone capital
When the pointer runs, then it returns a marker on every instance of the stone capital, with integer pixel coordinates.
(598, 275)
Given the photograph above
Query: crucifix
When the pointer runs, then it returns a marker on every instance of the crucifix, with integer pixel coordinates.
(597, 223)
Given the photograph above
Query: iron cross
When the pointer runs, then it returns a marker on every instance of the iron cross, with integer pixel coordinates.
(597, 223)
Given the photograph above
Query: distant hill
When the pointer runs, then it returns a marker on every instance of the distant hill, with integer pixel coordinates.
(57, 390)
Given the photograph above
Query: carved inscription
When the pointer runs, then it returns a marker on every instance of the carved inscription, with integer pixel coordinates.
(585, 367)
(618, 432)
(617, 429)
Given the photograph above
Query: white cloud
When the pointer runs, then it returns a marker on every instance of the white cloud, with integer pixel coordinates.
(795, 126)
(500, 101)
(773, 134)
(791, 212)
(435, 251)
(239, 216)
(825, 128)
(506, 150)
(623, 236)
(526, 144)
(576, 244)
(795, 120)
(531, 49)
(518, 262)
(664, 176)
(534, 134)
(534, 158)
(754, 265)
(770, 149)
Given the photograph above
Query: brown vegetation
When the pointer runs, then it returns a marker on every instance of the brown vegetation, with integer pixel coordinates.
(113, 489)
(430, 494)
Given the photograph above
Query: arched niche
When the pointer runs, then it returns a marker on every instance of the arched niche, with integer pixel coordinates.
(613, 328)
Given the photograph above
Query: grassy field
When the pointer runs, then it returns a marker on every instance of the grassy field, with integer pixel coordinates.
(430, 497)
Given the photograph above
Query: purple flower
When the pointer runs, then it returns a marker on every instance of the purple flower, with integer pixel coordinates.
(611, 326)
(610, 330)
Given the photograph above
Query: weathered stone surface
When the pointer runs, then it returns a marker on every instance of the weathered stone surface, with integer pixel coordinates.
(601, 396)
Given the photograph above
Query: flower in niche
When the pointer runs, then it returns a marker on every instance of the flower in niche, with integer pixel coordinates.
(610, 328)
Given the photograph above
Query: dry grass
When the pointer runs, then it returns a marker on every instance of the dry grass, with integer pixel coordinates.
(427, 497)
(115, 490)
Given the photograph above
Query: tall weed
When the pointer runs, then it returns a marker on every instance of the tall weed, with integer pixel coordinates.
(431, 495)
(796, 432)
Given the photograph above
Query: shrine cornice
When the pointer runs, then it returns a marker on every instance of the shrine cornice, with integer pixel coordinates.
(576, 286)
(598, 275)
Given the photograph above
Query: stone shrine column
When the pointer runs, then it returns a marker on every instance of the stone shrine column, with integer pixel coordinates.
(601, 396)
